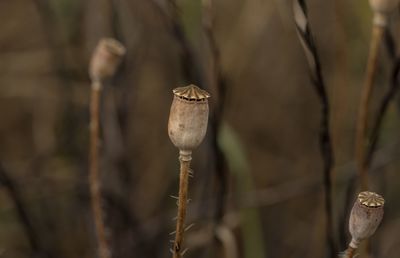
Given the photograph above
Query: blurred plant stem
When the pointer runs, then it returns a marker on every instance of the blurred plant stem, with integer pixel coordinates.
(350, 252)
(341, 99)
(94, 180)
(22, 213)
(362, 120)
(173, 20)
(307, 41)
(217, 86)
(250, 218)
(228, 240)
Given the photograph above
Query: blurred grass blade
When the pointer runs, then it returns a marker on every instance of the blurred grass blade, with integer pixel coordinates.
(250, 218)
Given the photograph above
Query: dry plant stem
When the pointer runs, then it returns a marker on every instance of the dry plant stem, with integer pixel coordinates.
(182, 203)
(217, 83)
(94, 180)
(228, 241)
(307, 41)
(362, 122)
(387, 99)
(21, 210)
(350, 252)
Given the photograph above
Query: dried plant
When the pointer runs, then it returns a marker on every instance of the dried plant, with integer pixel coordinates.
(382, 10)
(365, 217)
(387, 98)
(104, 62)
(307, 41)
(234, 42)
(383, 108)
(187, 127)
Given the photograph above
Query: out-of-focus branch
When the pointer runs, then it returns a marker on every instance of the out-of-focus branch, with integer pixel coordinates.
(217, 84)
(23, 215)
(227, 238)
(190, 67)
(390, 44)
(307, 41)
(363, 112)
(387, 99)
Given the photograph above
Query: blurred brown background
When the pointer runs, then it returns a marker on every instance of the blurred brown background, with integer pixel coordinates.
(269, 128)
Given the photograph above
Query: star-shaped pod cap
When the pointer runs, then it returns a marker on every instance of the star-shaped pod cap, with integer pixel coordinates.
(191, 93)
(371, 199)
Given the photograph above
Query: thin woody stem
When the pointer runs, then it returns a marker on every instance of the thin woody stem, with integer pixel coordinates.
(350, 252)
(362, 121)
(182, 203)
(94, 181)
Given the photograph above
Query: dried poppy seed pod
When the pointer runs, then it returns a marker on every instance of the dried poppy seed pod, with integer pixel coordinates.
(188, 118)
(106, 58)
(365, 217)
(381, 9)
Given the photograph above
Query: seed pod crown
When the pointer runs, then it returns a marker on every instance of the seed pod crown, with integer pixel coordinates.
(371, 199)
(191, 93)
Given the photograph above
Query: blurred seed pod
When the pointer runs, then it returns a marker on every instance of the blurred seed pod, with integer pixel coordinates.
(383, 6)
(381, 9)
(105, 59)
(365, 217)
(188, 117)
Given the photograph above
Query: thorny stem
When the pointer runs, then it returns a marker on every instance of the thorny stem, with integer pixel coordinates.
(362, 121)
(182, 203)
(94, 181)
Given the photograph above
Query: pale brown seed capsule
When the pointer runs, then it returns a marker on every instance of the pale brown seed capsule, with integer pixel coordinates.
(365, 217)
(188, 117)
(105, 59)
(384, 6)
(381, 9)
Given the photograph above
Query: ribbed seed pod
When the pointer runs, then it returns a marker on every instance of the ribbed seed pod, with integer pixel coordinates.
(381, 9)
(365, 217)
(105, 59)
(188, 117)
